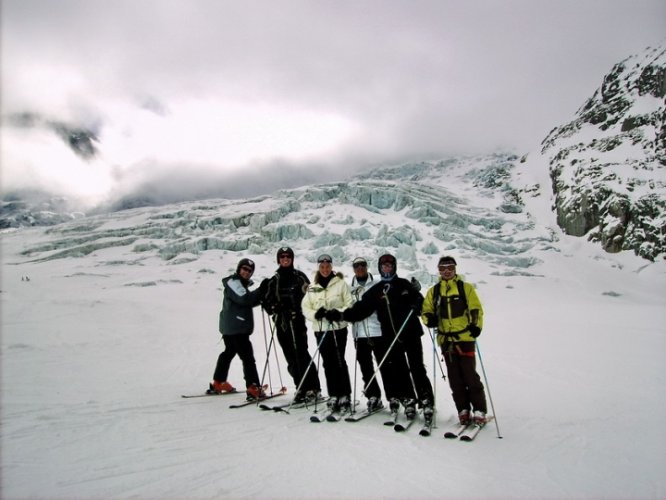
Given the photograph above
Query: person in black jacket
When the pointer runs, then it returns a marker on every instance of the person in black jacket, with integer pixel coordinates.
(236, 325)
(282, 295)
(397, 303)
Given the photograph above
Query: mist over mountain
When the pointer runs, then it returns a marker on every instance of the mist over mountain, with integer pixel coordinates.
(601, 176)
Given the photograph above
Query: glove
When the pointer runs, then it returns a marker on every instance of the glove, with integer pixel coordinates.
(333, 315)
(415, 284)
(321, 313)
(430, 320)
(474, 330)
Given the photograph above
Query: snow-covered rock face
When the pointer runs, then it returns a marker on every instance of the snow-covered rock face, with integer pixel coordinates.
(608, 166)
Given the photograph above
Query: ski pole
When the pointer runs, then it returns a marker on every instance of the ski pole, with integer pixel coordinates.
(355, 372)
(434, 352)
(435, 358)
(300, 384)
(490, 398)
(388, 351)
(271, 345)
(267, 347)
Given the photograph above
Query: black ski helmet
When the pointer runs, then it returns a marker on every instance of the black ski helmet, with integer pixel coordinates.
(245, 262)
(387, 257)
(284, 250)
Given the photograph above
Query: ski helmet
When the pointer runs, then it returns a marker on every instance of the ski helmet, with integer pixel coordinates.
(284, 251)
(387, 259)
(245, 262)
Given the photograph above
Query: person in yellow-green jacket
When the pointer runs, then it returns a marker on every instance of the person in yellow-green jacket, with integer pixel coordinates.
(453, 307)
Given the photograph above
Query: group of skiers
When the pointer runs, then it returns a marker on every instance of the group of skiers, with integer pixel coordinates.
(386, 315)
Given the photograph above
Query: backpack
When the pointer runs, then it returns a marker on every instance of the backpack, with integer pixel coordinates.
(462, 298)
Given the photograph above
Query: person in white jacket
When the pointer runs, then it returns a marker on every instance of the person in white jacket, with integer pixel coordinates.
(367, 336)
(329, 291)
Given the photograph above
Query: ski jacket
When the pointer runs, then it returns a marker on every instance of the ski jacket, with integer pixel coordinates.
(237, 316)
(370, 326)
(336, 295)
(393, 300)
(285, 291)
(453, 312)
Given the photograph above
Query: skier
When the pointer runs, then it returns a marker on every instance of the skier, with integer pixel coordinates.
(368, 337)
(453, 307)
(236, 326)
(398, 304)
(282, 295)
(327, 291)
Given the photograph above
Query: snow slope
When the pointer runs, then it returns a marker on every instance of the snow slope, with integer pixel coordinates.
(97, 347)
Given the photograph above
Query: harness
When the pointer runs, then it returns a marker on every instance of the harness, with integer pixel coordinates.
(458, 306)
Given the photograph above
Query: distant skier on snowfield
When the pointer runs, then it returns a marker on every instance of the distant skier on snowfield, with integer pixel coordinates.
(453, 307)
(281, 297)
(236, 326)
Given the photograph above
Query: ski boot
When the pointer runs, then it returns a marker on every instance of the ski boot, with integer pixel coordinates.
(464, 417)
(410, 408)
(480, 418)
(254, 392)
(216, 387)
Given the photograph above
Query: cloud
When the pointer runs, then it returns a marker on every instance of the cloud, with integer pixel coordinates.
(231, 86)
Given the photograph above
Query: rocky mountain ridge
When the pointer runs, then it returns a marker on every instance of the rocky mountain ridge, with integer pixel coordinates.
(608, 165)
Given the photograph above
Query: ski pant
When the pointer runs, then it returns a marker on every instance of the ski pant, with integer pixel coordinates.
(466, 386)
(414, 351)
(394, 369)
(237, 344)
(293, 339)
(364, 348)
(332, 349)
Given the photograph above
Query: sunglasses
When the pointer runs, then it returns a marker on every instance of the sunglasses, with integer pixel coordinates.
(247, 269)
(447, 267)
(360, 264)
(285, 256)
(328, 261)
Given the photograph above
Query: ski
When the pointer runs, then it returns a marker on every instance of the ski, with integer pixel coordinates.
(393, 420)
(255, 401)
(207, 394)
(321, 416)
(400, 427)
(426, 430)
(455, 431)
(285, 407)
(364, 414)
(472, 430)
(336, 416)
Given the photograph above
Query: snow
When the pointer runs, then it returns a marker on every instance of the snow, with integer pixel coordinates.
(98, 348)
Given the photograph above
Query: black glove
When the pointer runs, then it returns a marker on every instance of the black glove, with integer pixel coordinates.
(474, 330)
(321, 312)
(333, 315)
(415, 284)
(430, 320)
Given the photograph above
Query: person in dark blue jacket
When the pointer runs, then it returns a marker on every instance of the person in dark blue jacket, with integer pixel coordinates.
(236, 325)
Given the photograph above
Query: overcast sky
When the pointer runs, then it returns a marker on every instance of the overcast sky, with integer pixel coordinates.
(291, 90)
